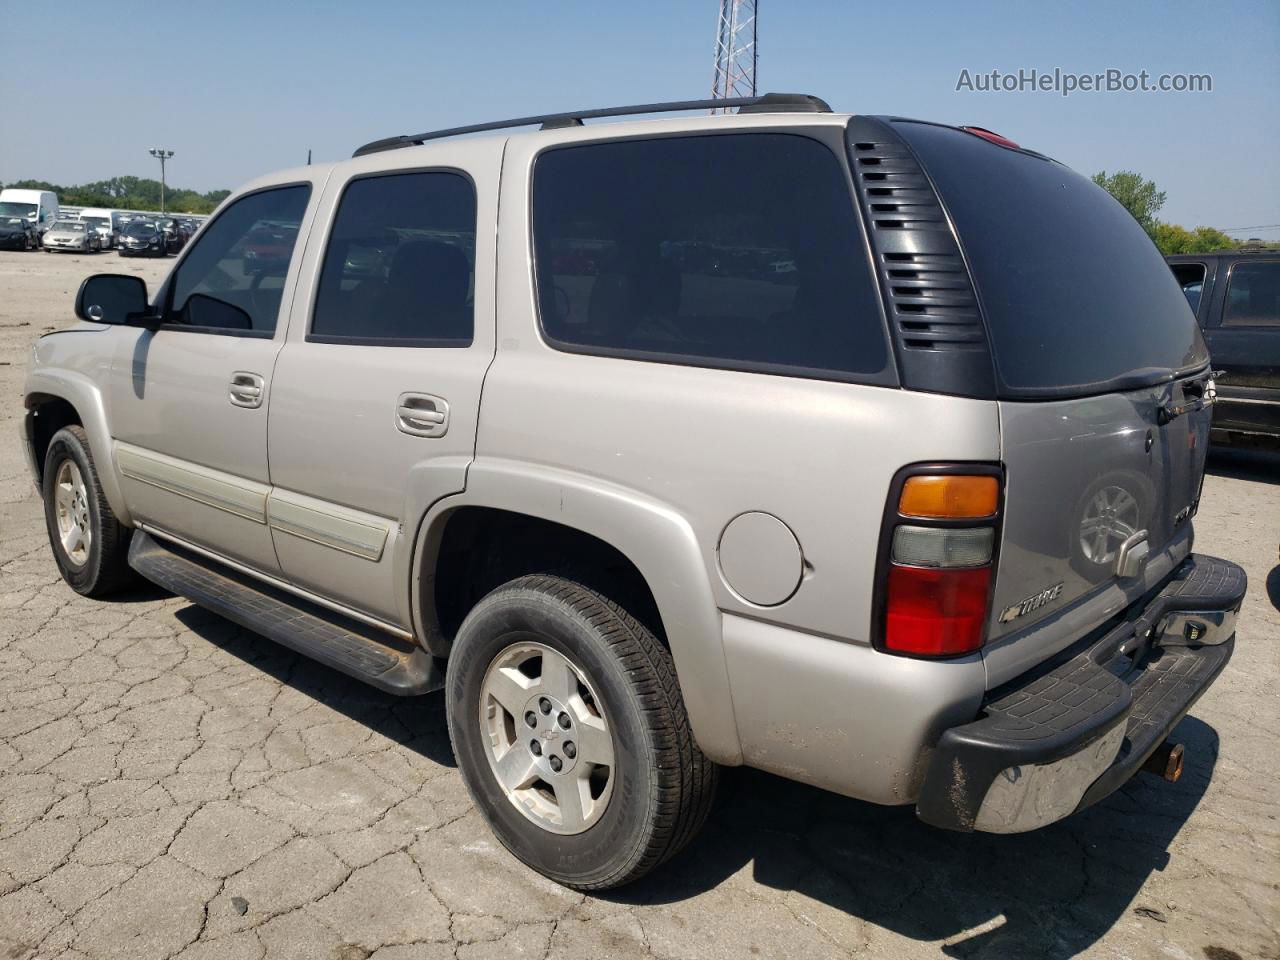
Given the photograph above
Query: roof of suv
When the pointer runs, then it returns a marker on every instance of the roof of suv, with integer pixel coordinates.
(768, 103)
(411, 154)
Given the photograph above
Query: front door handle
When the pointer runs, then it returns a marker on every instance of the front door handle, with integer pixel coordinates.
(246, 389)
(422, 415)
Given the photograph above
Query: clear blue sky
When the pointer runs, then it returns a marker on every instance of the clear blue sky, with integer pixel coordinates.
(241, 88)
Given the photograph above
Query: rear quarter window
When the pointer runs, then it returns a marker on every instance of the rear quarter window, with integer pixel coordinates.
(1253, 295)
(740, 251)
(1074, 293)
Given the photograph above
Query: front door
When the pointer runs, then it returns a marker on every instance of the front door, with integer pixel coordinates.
(377, 390)
(189, 400)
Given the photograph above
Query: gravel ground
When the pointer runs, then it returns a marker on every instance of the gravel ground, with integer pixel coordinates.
(171, 785)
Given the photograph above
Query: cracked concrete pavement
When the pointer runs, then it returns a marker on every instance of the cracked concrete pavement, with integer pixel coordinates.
(173, 786)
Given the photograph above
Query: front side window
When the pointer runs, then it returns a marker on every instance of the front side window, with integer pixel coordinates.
(399, 267)
(233, 278)
(740, 251)
(1253, 295)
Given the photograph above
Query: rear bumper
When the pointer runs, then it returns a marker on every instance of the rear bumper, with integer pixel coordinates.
(1066, 735)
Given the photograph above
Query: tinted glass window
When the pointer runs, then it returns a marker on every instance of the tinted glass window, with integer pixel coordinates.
(399, 264)
(1074, 292)
(1253, 295)
(740, 251)
(239, 264)
(1190, 277)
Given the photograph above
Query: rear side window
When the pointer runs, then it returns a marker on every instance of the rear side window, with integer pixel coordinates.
(1077, 298)
(740, 251)
(1190, 277)
(1253, 295)
(398, 268)
(232, 280)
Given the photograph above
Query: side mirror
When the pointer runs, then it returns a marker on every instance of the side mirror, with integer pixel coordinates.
(111, 298)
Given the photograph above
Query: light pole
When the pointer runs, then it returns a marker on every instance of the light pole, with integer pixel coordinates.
(162, 155)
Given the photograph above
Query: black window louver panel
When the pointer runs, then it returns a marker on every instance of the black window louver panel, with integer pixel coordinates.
(929, 296)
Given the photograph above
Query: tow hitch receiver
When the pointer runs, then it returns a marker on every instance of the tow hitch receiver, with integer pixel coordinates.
(1166, 762)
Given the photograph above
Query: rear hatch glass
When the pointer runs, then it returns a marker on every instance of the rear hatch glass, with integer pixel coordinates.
(1077, 298)
(1092, 339)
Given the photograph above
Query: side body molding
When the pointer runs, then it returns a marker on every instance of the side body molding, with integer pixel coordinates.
(655, 538)
(81, 392)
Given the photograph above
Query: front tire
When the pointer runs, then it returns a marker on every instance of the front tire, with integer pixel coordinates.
(89, 544)
(571, 734)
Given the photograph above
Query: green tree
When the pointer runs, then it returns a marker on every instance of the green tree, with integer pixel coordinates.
(1136, 194)
(1171, 238)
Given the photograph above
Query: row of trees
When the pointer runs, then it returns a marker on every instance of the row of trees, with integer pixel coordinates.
(1140, 197)
(129, 193)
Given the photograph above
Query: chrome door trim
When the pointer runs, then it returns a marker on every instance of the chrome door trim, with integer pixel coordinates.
(279, 584)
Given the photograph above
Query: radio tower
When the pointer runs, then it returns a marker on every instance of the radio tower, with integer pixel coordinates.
(735, 74)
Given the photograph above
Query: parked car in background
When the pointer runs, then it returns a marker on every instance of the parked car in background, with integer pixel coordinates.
(146, 238)
(72, 236)
(177, 234)
(266, 250)
(101, 221)
(40, 207)
(18, 233)
(1235, 296)
(660, 512)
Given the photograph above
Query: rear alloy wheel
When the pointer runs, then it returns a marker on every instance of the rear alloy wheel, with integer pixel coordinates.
(571, 734)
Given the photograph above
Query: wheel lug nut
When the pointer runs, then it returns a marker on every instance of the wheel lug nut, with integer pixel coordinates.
(563, 720)
(531, 718)
(556, 763)
(544, 705)
(535, 748)
(570, 749)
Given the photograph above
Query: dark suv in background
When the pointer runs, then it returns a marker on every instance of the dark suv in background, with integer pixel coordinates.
(1236, 299)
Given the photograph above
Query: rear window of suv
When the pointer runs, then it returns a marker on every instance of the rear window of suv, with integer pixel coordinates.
(740, 251)
(1077, 298)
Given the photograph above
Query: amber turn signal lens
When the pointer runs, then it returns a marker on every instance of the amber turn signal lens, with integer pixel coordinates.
(949, 498)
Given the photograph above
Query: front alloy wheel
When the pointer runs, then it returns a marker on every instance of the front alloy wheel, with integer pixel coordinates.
(71, 508)
(89, 544)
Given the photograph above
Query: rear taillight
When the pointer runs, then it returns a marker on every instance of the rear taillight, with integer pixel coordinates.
(938, 550)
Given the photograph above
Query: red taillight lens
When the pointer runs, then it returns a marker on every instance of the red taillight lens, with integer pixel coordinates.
(935, 612)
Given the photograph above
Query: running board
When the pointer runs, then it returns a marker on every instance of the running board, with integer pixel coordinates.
(360, 651)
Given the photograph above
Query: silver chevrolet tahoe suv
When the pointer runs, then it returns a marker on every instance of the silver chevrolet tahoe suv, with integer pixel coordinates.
(857, 449)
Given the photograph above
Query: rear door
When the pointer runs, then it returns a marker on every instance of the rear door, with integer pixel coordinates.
(377, 391)
(1099, 369)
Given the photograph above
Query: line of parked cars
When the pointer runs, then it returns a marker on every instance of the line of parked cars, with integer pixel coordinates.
(33, 219)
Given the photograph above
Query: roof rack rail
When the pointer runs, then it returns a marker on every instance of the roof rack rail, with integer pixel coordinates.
(768, 103)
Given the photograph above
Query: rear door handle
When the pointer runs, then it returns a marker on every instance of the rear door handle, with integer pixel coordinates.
(246, 389)
(422, 415)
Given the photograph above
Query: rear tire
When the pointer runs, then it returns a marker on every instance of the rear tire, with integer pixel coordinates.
(89, 544)
(621, 697)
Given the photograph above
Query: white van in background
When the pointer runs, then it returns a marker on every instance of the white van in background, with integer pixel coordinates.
(38, 206)
(103, 221)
